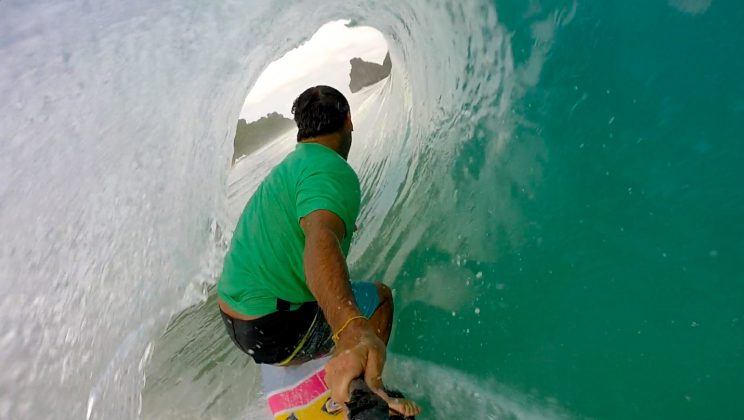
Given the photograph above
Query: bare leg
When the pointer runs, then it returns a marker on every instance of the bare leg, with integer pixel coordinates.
(382, 318)
(382, 321)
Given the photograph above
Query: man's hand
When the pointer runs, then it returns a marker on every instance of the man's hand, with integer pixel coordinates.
(358, 351)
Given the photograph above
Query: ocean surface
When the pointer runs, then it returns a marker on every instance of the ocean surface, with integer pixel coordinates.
(552, 188)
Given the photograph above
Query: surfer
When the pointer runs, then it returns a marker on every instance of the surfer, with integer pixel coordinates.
(284, 294)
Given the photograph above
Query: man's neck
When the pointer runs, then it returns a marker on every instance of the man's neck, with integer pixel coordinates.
(332, 141)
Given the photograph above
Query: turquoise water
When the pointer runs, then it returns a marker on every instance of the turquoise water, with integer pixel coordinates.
(624, 297)
(550, 187)
(618, 289)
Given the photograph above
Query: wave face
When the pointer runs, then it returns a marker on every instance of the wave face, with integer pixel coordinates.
(551, 187)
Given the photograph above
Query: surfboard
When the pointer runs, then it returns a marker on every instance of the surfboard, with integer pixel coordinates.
(299, 392)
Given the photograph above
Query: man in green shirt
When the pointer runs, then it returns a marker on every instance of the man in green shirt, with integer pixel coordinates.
(284, 293)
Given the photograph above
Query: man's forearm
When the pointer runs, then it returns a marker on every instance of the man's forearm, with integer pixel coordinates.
(328, 278)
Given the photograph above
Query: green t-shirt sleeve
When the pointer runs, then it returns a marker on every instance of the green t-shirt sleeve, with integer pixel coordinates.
(334, 188)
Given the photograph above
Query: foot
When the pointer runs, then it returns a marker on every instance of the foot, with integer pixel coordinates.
(401, 406)
(367, 404)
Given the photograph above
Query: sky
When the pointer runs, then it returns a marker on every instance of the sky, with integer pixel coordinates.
(323, 59)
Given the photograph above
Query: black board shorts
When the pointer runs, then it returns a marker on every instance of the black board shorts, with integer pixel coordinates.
(288, 337)
(283, 337)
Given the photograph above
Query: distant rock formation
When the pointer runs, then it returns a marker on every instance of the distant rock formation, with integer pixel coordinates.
(249, 137)
(365, 74)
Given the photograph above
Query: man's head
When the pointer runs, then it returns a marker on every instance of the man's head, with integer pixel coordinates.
(322, 111)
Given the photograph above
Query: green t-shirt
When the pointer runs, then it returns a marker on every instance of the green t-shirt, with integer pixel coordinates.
(265, 258)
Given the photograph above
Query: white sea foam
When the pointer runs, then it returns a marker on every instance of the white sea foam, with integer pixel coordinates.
(451, 394)
(693, 7)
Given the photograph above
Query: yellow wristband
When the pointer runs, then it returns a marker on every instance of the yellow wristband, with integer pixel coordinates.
(335, 337)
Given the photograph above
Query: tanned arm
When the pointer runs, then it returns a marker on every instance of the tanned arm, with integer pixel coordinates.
(359, 350)
(325, 267)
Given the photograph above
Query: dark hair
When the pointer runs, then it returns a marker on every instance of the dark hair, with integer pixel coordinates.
(319, 110)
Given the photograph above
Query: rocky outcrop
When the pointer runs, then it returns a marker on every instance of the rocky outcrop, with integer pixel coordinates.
(249, 137)
(365, 74)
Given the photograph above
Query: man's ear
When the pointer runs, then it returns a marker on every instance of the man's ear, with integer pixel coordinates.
(348, 124)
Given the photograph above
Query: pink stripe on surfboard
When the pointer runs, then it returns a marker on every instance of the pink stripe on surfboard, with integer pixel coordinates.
(304, 393)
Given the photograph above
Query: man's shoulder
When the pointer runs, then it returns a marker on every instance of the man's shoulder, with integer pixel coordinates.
(313, 159)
